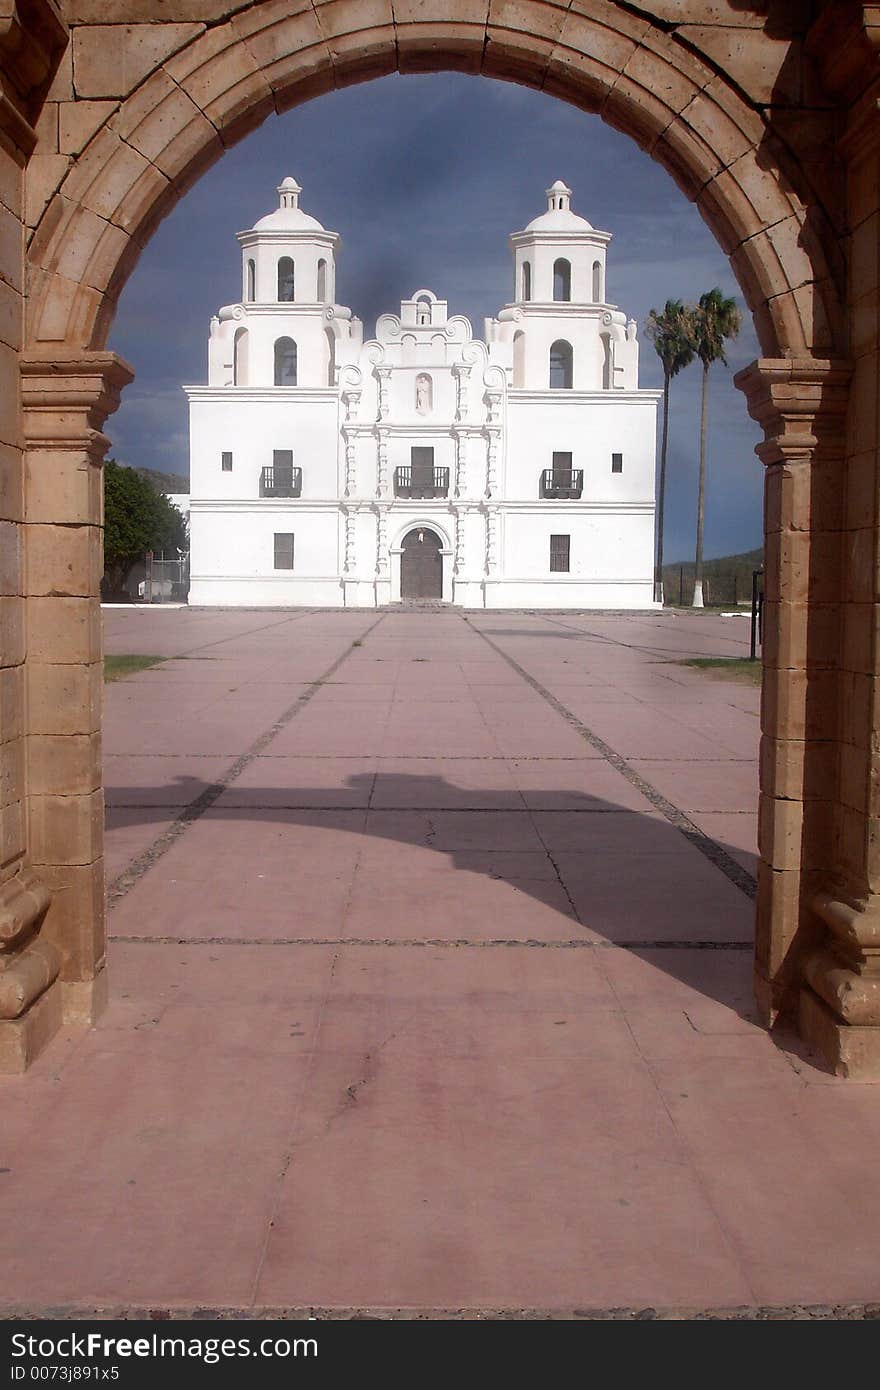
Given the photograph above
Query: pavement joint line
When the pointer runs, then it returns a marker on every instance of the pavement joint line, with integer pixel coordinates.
(125, 881)
(660, 652)
(709, 848)
(573, 943)
(425, 757)
(745, 1312)
(423, 810)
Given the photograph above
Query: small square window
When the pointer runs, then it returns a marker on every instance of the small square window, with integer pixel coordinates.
(617, 463)
(284, 550)
(226, 463)
(560, 548)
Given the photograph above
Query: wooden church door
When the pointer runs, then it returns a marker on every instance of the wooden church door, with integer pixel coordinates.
(421, 565)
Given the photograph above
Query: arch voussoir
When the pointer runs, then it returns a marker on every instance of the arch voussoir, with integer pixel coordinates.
(164, 124)
(286, 47)
(430, 48)
(503, 57)
(269, 56)
(222, 79)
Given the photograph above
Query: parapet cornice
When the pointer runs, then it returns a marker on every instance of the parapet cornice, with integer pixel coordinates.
(310, 394)
(551, 238)
(641, 395)
(281, 236)
(553, 308)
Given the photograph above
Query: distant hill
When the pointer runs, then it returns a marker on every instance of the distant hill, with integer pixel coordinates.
(164, 482)
(727, 579)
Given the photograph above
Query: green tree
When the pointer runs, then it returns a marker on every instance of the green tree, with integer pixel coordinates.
(715, 319)
(671, 332)
(137, 518)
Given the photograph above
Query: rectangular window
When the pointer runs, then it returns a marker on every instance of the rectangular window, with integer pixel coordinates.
(282, 458)
(226, 463)
(561, 462)
(560, 547)
(284, 550)
(617, 463)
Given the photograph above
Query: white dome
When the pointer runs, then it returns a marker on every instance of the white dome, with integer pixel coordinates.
(566, 221)
(288, 216)
(559, 216)
(288, 220)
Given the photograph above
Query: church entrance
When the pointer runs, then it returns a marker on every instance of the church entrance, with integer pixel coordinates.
(421, 565)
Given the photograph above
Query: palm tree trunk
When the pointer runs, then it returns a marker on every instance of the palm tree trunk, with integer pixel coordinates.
(661, 495)
(701, 497)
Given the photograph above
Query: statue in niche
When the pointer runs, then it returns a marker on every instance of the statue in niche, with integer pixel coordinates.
(423, 393)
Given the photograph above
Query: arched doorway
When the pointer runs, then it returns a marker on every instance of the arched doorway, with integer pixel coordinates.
(793, 222)
(421, 565)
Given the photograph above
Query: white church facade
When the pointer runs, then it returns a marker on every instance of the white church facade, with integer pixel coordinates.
(512, 472)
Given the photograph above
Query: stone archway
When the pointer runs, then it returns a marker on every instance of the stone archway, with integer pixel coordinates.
(747, 116)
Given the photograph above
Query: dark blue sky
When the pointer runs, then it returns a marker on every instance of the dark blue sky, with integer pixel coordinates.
(424, 177)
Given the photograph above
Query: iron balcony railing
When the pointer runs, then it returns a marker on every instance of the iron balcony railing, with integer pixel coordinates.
(281, 482)
(428, 482)
(562, 482)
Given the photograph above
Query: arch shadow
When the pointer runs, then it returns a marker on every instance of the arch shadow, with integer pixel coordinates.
(594, 876)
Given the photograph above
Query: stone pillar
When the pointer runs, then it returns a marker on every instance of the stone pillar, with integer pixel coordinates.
(66, 398)
(32, 39)
(815, 710)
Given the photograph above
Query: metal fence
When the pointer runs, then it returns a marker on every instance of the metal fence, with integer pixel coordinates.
(166, 579)
(724, 590)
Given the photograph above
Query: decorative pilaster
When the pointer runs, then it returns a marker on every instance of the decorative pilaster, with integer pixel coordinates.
(493, 433)
(462, 372)
(492, 455)
(350, 438)
(382, 482)
(383, 376)
(461, 464)
(382, 542)
(492, 542)
(350, 562)
(383, 558)
(460, 543)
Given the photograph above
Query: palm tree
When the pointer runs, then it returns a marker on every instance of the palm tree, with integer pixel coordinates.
(714, 321)
(671, 332)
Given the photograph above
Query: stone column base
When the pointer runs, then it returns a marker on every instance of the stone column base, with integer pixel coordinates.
(85, 1000)
(468, 593)
(358, 593)
(765, 999)
(23, 1039)
(848, 1049)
